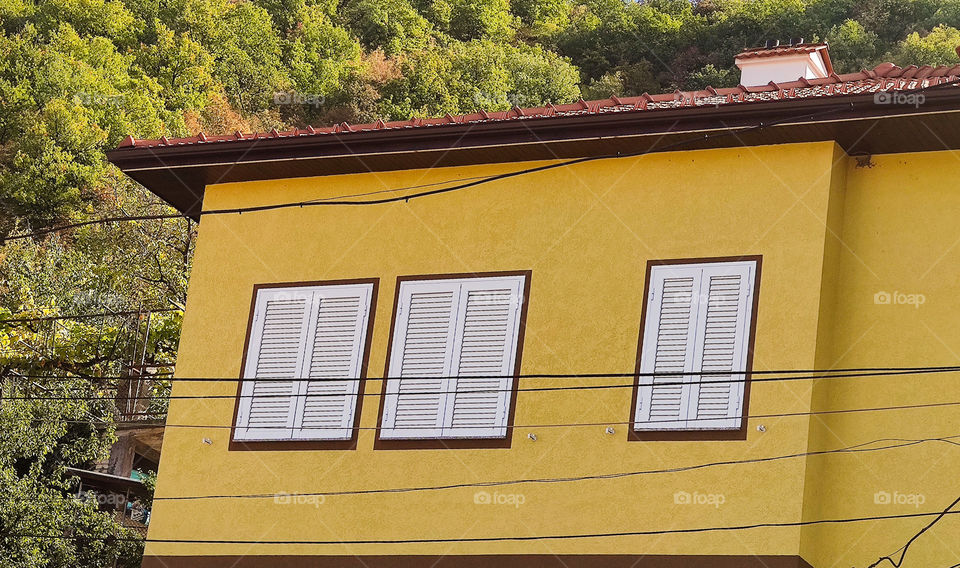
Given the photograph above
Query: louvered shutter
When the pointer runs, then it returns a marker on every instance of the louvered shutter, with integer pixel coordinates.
(274, 360)
(723, 333)
(327, 402)
(300, 333)
(698, 318)
(669, 342)
(452, 358)
(484, 359)
(420, 360)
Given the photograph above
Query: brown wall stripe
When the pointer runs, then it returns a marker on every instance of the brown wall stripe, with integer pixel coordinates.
(477, 561)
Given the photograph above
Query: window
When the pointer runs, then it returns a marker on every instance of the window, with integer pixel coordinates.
(453, 358)
(698, 320)
(303, 364)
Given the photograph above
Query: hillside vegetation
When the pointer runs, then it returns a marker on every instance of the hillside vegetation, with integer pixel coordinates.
(76, 76)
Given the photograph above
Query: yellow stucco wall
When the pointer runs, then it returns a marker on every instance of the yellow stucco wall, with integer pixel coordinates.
(899, 234)
(586, 232)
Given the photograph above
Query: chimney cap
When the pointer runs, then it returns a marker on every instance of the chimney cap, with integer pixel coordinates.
(783, 63)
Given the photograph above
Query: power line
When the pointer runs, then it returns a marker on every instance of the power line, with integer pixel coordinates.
(101, 221)
(827, 372)
(726, 131)
(484, 391)
(521, 426)
(340, 200)
(858, 448)
(382, 191)
(566, 163)
(903, 549)
(787, 524)
(62, 379)
(91, 316)
(567, 425)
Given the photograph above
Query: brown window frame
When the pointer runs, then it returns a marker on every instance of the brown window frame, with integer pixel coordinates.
(295, 445)
(455, 443)
(696, 435)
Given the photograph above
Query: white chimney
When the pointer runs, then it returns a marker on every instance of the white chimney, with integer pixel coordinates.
(783, 63)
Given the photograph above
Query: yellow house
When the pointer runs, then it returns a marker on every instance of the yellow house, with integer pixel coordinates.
(699, 329)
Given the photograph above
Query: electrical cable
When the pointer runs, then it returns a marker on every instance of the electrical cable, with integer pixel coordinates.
(858, 448)
(566, 163)
(101, 221)
(787, 524)
(338, 200)
(903, 549)
(91, 316)
(827, 372)
(568, 425)
(474, 182)
(485, 391)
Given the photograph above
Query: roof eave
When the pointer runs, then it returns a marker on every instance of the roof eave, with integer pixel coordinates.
(178, 174)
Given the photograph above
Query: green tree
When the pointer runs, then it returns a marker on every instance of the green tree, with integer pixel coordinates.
(394, 26)
(181, 67)
(936, 48)
(852, 47)
(479, 19)
(892, 20)
(104, 18)
(475, 75)
(542, 17)
(41, 438)
(710, 76)
(322, 59)
(948, 14)
(64, 100)
(245, 46)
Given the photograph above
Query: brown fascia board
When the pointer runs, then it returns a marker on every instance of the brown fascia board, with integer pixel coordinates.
(179, 174)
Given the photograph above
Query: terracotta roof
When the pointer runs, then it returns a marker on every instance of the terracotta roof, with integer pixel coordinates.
(795, 49)
(885, 77)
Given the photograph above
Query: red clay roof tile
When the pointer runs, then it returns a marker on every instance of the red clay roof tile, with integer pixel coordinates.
(883, 77)
(780, 50)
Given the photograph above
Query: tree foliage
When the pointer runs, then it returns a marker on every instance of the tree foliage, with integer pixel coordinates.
(76, 76)
(40, 441)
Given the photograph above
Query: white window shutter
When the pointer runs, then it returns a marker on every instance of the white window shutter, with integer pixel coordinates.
(420, 360)
(723, 334)
(452, 358)
(698, 321)
(274, 359)
(485, 358)
(327, 402)
(314, 337)
(669, 341)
